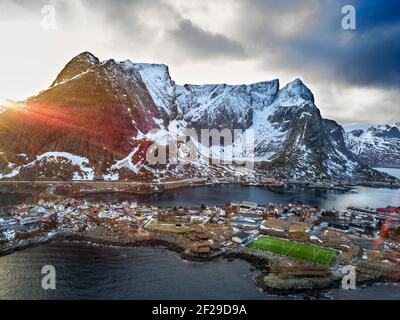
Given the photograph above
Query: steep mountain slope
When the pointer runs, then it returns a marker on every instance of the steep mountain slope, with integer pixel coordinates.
(93, 110)
(376, 146)
(291, 137)
(297, 142)
(161, 87)
(97, 120)
(222, 106)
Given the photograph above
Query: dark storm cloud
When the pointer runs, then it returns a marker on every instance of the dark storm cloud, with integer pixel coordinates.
(351, 71)
(367, 56)
(123, 16)
(373, 14)
(187, 36)
(123, 20)
(291, 34)
(200, 43)
(372, 58)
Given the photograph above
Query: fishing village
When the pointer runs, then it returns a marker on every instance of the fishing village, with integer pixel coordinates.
(295, 247)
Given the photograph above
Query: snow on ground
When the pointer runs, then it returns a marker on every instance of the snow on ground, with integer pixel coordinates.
(268, 136)
(127, 162)
(199, 102)
(70, 79)
(86, 173)
(158, 82)
(12, 174)
(111, 176)
(378, 145)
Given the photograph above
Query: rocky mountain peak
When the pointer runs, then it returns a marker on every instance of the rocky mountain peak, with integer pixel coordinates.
(78, 65)
(386, 131)
(86, 56)
(298, 87)
(103, 112)
(158, 82)
(271, 86)
(357, 132)
(377, 146)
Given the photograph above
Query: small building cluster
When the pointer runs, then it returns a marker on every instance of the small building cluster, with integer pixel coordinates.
(206, 231)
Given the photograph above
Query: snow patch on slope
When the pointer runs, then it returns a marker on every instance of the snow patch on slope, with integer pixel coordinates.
(269, 137)
(85, 173)
(377, 146)
(127, 162)
(158, 82)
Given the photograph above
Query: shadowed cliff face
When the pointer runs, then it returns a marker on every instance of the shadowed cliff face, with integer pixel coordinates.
(309, 146)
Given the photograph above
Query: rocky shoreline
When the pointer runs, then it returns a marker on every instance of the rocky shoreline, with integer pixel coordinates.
(202, 235)
(82, 189)
(265, 279)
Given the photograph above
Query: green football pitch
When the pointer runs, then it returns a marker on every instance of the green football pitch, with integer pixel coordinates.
(293, 249)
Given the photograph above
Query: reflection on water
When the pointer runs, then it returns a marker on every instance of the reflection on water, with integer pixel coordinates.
(219, 195)
(93, 272)
(89, 272)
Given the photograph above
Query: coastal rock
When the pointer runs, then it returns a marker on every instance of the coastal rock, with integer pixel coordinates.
(272, 282)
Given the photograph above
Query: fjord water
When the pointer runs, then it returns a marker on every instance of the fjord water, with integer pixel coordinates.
(219, 195)
(91, 272)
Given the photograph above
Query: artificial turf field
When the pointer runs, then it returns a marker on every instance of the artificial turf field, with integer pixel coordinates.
(293, 249)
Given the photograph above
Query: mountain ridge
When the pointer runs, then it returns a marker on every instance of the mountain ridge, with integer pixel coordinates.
(96, 117)
(378, 145)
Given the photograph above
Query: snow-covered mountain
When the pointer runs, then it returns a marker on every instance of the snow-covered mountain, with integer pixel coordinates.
(97, 120)
(377, 146)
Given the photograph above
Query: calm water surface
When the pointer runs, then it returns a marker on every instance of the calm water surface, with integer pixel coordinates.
(92, 272)
(219, 195)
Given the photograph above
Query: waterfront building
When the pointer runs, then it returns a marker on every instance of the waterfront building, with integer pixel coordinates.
(241, 237)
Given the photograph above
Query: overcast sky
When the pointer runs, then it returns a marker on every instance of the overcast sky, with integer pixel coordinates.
(354, 74)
